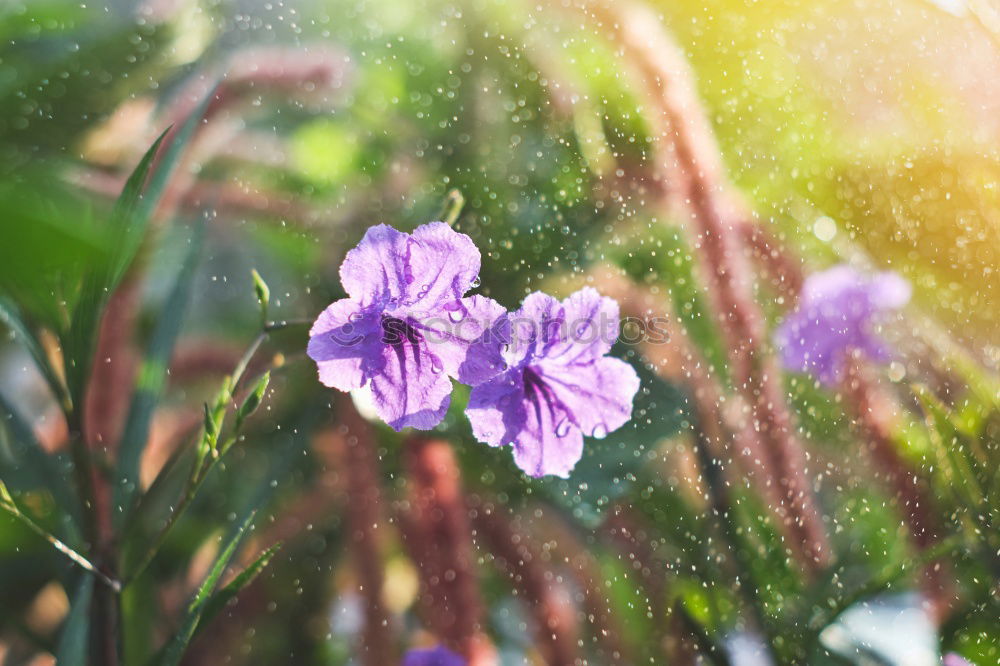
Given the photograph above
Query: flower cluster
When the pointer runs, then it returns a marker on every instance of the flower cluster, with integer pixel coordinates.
(839, 312)
(541, 376)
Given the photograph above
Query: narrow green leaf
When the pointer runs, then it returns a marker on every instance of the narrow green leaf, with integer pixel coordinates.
(10, 315)
(129, 218)
(98, 285)
(25, 465)
(152, 379)
(174, 650)
(72, 648)
(220, 599)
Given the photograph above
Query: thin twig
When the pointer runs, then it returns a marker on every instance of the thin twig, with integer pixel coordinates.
(7, 504)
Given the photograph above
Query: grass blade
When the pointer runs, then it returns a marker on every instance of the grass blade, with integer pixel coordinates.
(72, 648)
(98, 284)
(152, 379)
(129, 218)
(219, 600)
(174, 650)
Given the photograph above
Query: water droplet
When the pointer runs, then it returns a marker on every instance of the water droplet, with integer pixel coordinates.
(476, 282)
(600, 431)
(456, 315)
(355, 316)
(436, 366)
(562, 428)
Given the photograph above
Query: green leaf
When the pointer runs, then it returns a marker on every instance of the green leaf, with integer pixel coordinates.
(98, 284)
(174, 650)
(129, 220)
(10, 315)
(72, 648)
(220, 599)
(25, 465)
(152, 379)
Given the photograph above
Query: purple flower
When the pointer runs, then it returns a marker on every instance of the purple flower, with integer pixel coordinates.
(439, 656)
(559, 384)
(839, 310)
(406, 328)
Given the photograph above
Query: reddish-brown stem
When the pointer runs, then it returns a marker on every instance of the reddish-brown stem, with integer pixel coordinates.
(872, 411)
(715, 220)
(563, 543)
(438, 537)
(514, 554)
(105, 405)
(364, 520)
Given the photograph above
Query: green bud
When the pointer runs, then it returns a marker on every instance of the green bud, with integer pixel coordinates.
(253, 400)
(211, 427)
(263, 293)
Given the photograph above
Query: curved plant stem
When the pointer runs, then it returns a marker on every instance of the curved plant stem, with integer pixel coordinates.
(7, 504)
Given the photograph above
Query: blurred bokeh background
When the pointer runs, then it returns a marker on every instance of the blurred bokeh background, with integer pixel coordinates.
(863, 131)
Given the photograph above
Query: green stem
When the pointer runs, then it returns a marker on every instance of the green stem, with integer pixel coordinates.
(203, 464)
(8, 505)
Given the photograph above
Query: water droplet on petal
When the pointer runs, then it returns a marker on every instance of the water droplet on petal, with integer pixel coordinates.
(436, 366)
(476, 282)
(600, 431)
(355, 316)
(456, 315)
(562, 428)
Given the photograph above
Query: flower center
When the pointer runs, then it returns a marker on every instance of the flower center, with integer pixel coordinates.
(396, 331)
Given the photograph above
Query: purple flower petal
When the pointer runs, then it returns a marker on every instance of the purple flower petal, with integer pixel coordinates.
(545, 447)
(378, 269)
(890, 290)
(406, 327)
(345, 342)
(589, 330)
(412, 389)
(535, 328)
(439, 656)
(516, 409)
(496, 408)
(468, 337)
(838, 312)
(596, 396)
(558, 388)
(444, 264)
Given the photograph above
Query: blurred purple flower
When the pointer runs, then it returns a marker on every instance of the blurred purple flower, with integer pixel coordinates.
(559, 384)
(406, 327)
(839, 310)
(952, 659)
(439, 656)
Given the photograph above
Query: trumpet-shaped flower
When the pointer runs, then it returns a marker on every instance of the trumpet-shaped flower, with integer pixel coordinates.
(406, 327)
(559, 386)
(439, 656)
(839, 311)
